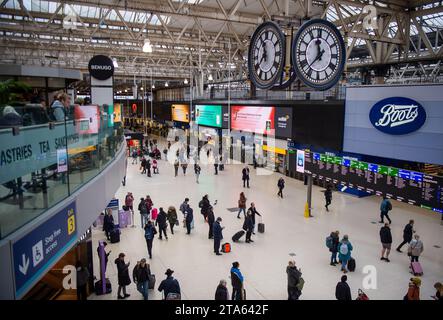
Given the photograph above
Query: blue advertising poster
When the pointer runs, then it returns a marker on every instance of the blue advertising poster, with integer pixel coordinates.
(43, 246)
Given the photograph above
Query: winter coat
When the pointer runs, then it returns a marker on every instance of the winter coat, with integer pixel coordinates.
(169, 285)
(281, 183)
(293, 276)
(189, 215)
(245, 174)
(150, 232)
(184, 207)
(253, 212)
(385, 235)
(217, 231)
(342, 291)
(108, 223)
(335, 242)
(242, 202)
(345, 257)
(408, 231)
(210, 216)
(123, 273)
(416, 247)
(204, 206)
(172, 216)
(385, 205)
(328, 194)
(142, 207)
(221, 293)
(58, 111)
(161, 219)
(248, 225)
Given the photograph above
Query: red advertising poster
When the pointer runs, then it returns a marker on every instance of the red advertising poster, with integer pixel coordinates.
(87, 119)
(253, 119)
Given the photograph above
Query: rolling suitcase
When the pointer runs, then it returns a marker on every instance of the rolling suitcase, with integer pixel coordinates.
(416, 269)
(115, 235)
(237, 236)
(98, 288)
(226, 247)
(154, 213)
(351, 264)
(261, 227)
(151, 281)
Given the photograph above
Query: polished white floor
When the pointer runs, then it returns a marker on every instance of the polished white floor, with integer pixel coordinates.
(263, 263)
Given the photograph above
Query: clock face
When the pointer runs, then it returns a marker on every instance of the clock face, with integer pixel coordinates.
(318, 51)
(266, 55)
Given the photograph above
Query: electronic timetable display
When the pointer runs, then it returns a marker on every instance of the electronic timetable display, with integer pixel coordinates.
(403, 185)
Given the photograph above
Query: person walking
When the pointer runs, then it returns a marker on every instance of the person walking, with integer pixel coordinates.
(210, 219)
(108, 224)
(248, 226)
(385, 207)
(171, 215)
(413, 290)
(342, 290)
(143, 165)
(215, 166)
(332, 242)
(188, 219)
(237, 280)
(197, 170)
(184, 167)
(184, 206)
(82, 281)
(134, 156)
(245, 177)
(386, 242)
(150, 233)
(155, 166)
(148, 167)
(241, 205)
(328, 197)
(416, 248)
(143, 212)
(170, 287)
(408, 232)
(253, 210)
(344, 252)
(176, 166)
(218, 235)
(140, 275)
(281, 186)
(162, 224)
(294, 276)
(221, 293)
(129, 201)
(123, 276)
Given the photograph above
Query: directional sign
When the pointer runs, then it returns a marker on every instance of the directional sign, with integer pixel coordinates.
(35, 252)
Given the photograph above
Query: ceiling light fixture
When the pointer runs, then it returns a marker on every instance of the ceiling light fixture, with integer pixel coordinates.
(147, 47)
(153, 86)
(114, 62)
(210, 77)
(166, 84)
(186, 81)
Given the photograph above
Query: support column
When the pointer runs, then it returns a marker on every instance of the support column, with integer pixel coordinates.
(308, 205)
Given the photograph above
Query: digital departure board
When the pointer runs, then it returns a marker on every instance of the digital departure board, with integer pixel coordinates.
(403, 185)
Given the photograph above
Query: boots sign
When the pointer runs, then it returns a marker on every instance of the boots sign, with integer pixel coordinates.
(397, 115)
(101, 67)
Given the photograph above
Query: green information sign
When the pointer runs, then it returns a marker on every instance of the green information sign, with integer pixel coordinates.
(383, 169)
(354, 164)
(323, 158)
(393, 172)
(209, 115)
(362, 165)
(338, 160)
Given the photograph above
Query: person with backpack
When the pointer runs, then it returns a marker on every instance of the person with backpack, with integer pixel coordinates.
(386, 241)
(217, 235)
(189, 219)
(172, 218)
(204, 206)
(143, 212)
(140, 276)
(221, 293)
(413, 290)
(245, 177)
(197, 170)
(170, 287)
(385, 207)
(241, 205)
(162, 224)
(129, 201)
(123, 276)
(237, 280)
(332, 242)
(408, 232)
(281, 186)
(328, 197)
(150, 233)
(416, 248)
(344, 252)
(342, 290)
(294, 281)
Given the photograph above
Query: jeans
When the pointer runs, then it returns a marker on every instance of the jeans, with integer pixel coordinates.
(143, 219)
(240, 210)
(384, 214)
(245, 182)
(171, 226)
(343, 264)
(188, 227)
(280, 192)
(142, 287)
(149, 245)
(333, 257)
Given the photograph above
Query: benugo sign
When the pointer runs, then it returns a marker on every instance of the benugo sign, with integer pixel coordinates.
(101, 67)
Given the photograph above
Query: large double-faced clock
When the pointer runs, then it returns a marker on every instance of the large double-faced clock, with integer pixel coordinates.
(318, 54)
(266, 56)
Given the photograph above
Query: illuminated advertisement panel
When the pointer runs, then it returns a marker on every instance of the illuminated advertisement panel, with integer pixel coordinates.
(117, 112)
(253, 119)
(180, 112)
(87, 119)
(209, 115)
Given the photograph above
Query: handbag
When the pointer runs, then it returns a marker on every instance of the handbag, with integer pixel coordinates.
(176, 222)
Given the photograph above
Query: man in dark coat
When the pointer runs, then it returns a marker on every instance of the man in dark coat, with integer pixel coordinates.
(222, 291)
(245, 177)
(342, 291)
(328, 197)
(123, 276)
(169, 285)
(253, 210)
(204, 205)
(281, 186)
(408, 231)
(161, 223)
(210, 218)
(108, 224)
(218, 236)
(293, 279)
(140, 275)
(143, 165)
(248, 226)
(188, 219)
(148, 167)
(386, 241)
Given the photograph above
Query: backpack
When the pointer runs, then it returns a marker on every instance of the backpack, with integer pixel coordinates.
(329, 242)
(300, 284)
(344, 250)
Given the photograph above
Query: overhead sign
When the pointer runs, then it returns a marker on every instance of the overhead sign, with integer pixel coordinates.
(209, 115)
(101, 67)
(37, 251)
(180, 112)
(397, 115)
(253, 119)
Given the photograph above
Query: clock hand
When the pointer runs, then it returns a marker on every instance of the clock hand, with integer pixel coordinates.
(318, 57)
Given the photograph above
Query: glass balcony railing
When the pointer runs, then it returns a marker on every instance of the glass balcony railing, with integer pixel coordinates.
(42, 164)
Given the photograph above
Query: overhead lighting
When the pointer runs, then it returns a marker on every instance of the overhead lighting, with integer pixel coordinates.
(141, 88)
(186, 81)
(153, 86)
(147, 47)
(114, 62)
(126, 90)
(210, 77)
(166, 84)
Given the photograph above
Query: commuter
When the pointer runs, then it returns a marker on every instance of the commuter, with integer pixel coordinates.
(413, 289)
(169, 145)
(439, 293)
(59, 107)
(172, 218)
(134, 157)
(294, 276)
(170, 287)
(253, 210)
(149, 205)
(344, 252)
(281, 186)
(221, 294)
(176, 165)
(10, 118)
(140, 275)
(237, 279)
(184, 167)
(184, 206)
(162, 224)
(82, 281)
(245, 177)
(332, 243)
(328, 196)
(210, 219)
(105, 263)
(150, 233)
(385, 207)
(143, 212)
(342, 290)
(216, 168)
(408, 232)
(129, 201)
(204, 206)
(197, 170)
(148, 167)
(416, 248)
(218, 235)
(189, 219)
(155, 166)
(123, 276)
(242, 204)
(386, 241)
(143, 165)
(108, 224)
(248, 226)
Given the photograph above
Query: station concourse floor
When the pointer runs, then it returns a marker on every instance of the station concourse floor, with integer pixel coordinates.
(288, 236)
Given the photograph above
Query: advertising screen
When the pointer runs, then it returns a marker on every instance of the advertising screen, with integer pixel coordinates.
(253, 119)
(110, 115)
(87, 119)
(283, 122)
(117, 112)
(209, 115)
(180, 112)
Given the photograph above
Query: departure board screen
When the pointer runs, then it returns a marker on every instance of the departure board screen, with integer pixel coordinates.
(415, 188)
